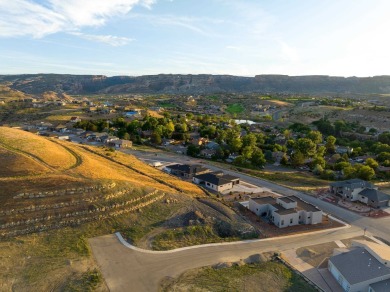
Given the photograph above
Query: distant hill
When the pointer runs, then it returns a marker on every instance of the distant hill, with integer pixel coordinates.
(195, 84)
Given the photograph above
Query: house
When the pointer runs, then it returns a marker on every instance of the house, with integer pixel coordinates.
(360, 190)
(108, 139)
(364, 268)
(75, 119)
(208, 153)
(285, 211)
(61, 128)
(185, 170)
(217, 181)
(120, 143)
(63, 137)
(212, 145)
(343, 150)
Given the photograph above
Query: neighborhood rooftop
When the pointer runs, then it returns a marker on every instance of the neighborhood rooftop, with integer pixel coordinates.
(359, 266)
(375, 195)
(216, 178)
(187, 168)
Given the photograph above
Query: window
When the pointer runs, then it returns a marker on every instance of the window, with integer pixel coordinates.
(291, 220)
(282, 223)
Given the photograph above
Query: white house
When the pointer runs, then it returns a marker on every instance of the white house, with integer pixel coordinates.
(285, 211)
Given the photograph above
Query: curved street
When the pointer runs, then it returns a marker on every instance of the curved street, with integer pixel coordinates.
(127, 269)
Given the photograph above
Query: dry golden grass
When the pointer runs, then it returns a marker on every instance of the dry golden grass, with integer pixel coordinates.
(96, 167)
(41, 149)
(276, 102)
(155, 114)
(133, 162)
(38, 183)
(14, 164)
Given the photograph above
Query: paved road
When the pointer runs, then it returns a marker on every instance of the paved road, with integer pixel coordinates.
(126, 269)
(378, 227)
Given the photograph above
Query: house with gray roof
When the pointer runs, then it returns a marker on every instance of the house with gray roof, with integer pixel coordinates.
(360, 190)
(285, 211)
(217, 181)
(382, 286)
(362, 269)
(186, 170)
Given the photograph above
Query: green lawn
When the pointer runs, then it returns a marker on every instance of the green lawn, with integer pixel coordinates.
(166, 105)
(235, 108)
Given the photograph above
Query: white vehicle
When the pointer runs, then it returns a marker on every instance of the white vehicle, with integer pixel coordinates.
(155, 164)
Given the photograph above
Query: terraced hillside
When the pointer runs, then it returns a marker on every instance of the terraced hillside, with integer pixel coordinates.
(48, 184)
(54, 195)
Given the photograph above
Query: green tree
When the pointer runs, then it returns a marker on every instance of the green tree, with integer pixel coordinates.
(258, 158)
(364, 172)
(330, 144)
(318, 169)
(156, 138)
(240, 161)
(249, 140)
(318, 161)
(193, 150)
(306, 147)
(236, 144)
(247, 152)
(384, 138)
(315, 136)
(372, 163)
(297, 159)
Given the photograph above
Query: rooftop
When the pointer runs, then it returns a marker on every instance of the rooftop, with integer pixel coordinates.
(382, 286)
(190, 169)
(216, 178)
(380, 250)
(283, 211)
(264, 200)
(375, 195)
(287, 199)
(358, 265)
(354, 183)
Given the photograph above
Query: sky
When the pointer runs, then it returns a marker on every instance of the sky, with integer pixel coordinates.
(236, 37)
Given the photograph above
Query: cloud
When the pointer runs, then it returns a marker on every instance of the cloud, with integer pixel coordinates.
(30, 18)
(114, 41)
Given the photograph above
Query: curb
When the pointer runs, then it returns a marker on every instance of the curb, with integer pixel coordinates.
(130, 246)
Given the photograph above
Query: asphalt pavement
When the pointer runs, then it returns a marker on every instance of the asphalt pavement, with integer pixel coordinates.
(127, 269)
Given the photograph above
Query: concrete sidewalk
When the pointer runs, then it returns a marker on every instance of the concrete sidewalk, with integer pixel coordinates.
(321, 279)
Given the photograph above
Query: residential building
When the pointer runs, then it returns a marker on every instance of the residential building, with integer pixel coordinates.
(217, 181)
(208, 153)
(185, 170)
(285, 211)
(360, 190)
(364, 268)
(120, 143)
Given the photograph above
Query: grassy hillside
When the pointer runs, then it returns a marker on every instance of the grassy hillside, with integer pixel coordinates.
(6, 93)
(55, 194)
